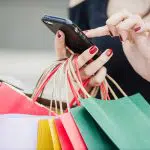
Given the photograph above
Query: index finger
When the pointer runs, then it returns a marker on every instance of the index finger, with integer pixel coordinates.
(97, 32)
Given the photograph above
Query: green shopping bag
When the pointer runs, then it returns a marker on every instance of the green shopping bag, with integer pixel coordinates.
(125, 120)
(141, 103)
(92, 134)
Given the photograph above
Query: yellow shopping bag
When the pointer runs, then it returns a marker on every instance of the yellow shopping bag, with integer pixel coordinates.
(55, 139)
(44, 139)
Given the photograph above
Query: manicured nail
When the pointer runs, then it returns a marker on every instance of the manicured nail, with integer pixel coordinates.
(110, 33)
(120, 38)
(58, 34)
(93, 50)
(109, 52)
(137, 29)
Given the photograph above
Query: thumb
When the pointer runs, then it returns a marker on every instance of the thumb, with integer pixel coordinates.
(60, 45)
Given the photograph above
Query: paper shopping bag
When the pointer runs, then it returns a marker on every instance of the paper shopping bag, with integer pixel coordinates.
(63, 137)
(123, 122)
(92, 134)
(73, 132)
(18, 131)
(44, 138)
(141, 103)
(14, 101)
(55, 139)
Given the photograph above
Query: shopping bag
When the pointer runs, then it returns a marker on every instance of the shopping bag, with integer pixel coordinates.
(63, 137)
(14, 101)
(92, 134)
(44, 138)
(123, 122)
(5, 116)
(141, 103)
(73, 132)
(55, 139)
(19, 131)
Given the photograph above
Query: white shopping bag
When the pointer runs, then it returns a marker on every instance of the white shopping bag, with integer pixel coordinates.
(19, 132)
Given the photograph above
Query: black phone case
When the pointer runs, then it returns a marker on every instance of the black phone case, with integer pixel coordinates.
(75, 39)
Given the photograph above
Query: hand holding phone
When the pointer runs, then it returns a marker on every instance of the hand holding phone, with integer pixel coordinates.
(75, 39)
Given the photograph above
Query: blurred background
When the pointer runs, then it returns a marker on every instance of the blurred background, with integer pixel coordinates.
(26, 44)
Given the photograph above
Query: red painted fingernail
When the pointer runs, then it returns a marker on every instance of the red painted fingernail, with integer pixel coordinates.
(109, 52)
(58, 34)
(120, 38)
(137, 29)
(110, 33)
(93, 50)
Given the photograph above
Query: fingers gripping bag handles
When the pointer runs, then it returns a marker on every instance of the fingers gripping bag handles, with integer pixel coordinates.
(61, 84)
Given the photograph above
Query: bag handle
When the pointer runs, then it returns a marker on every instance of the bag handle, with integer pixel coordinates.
(110, 78)
(78, 80)
(80, 85)
(117, 86)
(103, 87)
(44, 76)
(43, 84)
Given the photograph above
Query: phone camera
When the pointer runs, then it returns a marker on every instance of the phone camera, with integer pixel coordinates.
(76, 30)
(48, 22)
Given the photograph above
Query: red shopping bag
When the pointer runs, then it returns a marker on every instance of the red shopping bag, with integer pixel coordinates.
(63, 137)
(13, 101)
(73, 132)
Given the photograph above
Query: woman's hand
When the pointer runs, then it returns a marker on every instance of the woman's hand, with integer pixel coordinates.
(94, 70)
(134, 34)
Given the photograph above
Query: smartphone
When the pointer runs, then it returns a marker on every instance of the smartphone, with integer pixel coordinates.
(75, 39)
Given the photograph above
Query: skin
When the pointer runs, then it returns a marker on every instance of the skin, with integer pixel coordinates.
(122, 23)
(139, 7)
(136, 44)
(94, 70)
